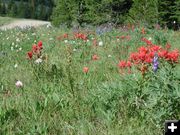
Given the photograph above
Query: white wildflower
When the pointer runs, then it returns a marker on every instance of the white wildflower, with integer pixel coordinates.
(38, 61)
(65, 41)
(19, 84)
(109, 56)
(49, 25)
(50, 38)
(16, 65)
(100, 43)
(17, 40)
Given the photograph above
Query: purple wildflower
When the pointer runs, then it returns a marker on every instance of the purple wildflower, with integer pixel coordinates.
(155, 62)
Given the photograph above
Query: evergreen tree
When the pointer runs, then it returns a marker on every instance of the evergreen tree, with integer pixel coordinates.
(64, 12)
(176, 15)
(1, 7)
(32, 7)
(14, 10)
(9, 7)
(42, 12)
(167, 12)
(21, 9)
(27, 10)
(3, 11)
(144, 11)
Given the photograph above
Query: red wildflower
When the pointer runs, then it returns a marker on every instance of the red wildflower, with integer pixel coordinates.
(151, 54)
(142, 49)
(34, 48)
(148, 59)
(65, 35)
(128, 37)
(143, 31)
(95, 57)
(128, 64)
(134, 57)
(155, 48)
(163, 53)
(142, 56)
(148, 42)
(173, 56)
(85, 70)
(123, 37)
(95, 42)
(40, 45)
(30, 54)
(122, 64)
(168, 46)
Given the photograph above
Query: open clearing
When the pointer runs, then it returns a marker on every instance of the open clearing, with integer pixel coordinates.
(24, 23)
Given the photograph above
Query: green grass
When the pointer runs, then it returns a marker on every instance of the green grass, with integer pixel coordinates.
(5, 20)
(58, 98)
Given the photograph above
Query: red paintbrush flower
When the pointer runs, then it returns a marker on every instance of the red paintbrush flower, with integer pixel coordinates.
(168, 46)
(30, 54)
(34, 48)
(85, 70)
(122, 64)
(128, 64)
(65, 35)
(40, 44)
(143, 31)
(95, 57)
(173, 56)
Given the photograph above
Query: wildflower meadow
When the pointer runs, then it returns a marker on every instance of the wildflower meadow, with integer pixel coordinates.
(60, 81)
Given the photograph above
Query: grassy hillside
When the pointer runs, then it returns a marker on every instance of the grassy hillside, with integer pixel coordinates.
(76, 83)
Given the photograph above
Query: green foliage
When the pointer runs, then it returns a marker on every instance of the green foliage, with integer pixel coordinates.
(38, 9)
(64, 12)
(90, 11)
(176, 15)
(144, 11)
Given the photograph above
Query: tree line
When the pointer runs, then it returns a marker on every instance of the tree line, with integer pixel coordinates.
(148, 12)
(36, 9)
(96, 12)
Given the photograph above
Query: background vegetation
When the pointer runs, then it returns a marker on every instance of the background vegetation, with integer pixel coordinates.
(96, 12)
(36, 9)
(148, 12)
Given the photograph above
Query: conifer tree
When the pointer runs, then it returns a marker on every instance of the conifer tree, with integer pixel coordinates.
(9, 7)
(167, 12)
(176, 14)
(27, 10)
(144, 11)
(64, 12)
(3, 9)
(0, 7)
(21, 9)
(13, 11)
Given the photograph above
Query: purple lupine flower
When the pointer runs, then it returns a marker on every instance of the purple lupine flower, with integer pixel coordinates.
(155, 62)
